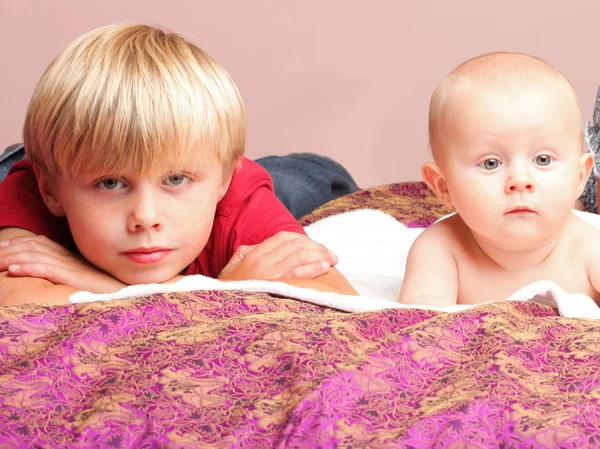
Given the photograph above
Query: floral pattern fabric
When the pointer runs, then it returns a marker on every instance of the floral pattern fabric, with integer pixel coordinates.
(412, 203)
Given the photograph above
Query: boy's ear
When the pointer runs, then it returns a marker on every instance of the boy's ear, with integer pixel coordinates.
(586, 165)
(434, 178)
(47, 187)
(225, 187)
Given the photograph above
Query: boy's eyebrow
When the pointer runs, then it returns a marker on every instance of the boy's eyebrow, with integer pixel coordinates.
(199, 168)
(155, 169)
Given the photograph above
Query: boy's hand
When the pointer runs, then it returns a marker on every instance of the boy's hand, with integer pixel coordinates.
(39, 257)
(284, 255)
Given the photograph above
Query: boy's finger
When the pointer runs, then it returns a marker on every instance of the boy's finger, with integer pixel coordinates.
(277, 240)
(240, 253)
(282, 244)
(63, 275)
(243, 250)
(295, 253)
(32, 243)
(309, 271)
(302, 258)
(52, 273)
(311, 245)
(25, 257)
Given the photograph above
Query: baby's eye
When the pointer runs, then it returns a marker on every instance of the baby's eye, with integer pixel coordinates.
(490, 164)
(176, 180)
(543, 160)
(111, 184)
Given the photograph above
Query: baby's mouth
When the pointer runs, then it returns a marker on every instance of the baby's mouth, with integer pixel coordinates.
(520, 210)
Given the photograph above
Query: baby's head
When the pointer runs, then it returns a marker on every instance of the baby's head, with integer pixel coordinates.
(134, 134)
(506, 134)
(494, 81)
(130, 97)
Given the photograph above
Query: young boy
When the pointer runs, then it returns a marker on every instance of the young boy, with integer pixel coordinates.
(135, 141)
(506, 136)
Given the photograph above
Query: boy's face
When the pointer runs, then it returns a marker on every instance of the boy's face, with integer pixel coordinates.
(139, 228)
(513, 163)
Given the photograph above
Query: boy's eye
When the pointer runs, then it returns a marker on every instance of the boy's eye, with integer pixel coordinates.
(543, 160)
(111, 184)
(490, 164)
(176, 180)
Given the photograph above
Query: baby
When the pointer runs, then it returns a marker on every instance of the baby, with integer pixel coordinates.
(506, 136)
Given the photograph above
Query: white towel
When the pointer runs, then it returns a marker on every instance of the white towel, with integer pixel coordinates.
(372, 247)
(543, 292)
(198, 282)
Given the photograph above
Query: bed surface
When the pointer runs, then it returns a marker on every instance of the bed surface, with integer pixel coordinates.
(219, 369)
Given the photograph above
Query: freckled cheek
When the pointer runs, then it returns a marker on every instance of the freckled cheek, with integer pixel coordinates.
(191, 222)
(94, 227)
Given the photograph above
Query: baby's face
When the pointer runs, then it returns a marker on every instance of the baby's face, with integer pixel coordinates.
(142, 228)
(513, 162)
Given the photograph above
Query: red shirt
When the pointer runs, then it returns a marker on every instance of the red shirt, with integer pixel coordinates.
(248, 214)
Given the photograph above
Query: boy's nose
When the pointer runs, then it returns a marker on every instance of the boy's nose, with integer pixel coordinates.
(144, 214)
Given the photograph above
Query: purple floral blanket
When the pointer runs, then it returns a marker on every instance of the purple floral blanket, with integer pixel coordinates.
(250, 370)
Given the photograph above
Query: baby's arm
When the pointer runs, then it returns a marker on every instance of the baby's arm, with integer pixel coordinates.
(333, 281)
(431, 276)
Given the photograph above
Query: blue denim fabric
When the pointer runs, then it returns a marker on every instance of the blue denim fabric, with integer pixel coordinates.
(9, 157)
(303, 181)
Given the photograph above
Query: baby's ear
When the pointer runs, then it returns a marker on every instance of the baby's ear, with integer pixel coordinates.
(586, 165)
(434, 178)
(47, 190)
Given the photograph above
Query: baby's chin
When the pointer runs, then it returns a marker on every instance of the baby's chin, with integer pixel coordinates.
(516, 239)
(524, 241)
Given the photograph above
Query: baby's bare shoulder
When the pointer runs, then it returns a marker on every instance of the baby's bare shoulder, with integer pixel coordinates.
(583, 238)
(450, 232)
(587, 238)
(443, 243)
(583, 232)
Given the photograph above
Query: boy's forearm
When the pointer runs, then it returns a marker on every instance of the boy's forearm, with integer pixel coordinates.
(333, 281)
(14, 291)
(28, 290)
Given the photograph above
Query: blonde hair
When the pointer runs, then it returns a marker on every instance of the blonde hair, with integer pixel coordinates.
(500, 70)
(131, 97)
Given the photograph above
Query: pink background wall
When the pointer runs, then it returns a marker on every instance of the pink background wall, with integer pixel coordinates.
(348, 79)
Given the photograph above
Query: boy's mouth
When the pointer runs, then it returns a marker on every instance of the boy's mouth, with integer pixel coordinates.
(147, 255)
